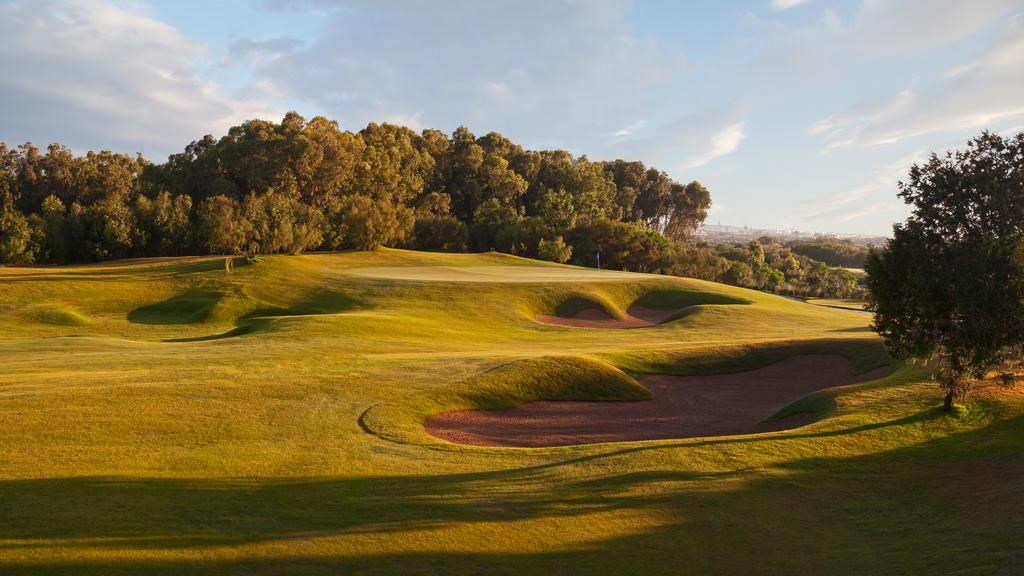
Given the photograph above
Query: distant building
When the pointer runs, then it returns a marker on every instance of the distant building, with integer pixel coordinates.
(722, 234)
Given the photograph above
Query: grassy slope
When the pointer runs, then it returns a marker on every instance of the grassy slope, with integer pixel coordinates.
(847, 303)
(124, 452)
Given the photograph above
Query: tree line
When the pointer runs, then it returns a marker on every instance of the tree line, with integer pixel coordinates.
(268, 187)
(768, 265)
(838, 252)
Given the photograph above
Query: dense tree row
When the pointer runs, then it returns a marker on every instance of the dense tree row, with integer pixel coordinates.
(269, 187)
(287, 187)
(832, 251)
(765, 264)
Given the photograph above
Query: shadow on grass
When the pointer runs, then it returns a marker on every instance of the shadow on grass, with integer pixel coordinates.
(895, 511)
(192, 307)
(247, 327)
(262, 320)
(116, 270)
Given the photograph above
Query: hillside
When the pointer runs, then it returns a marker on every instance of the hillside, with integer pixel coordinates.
(164, 416)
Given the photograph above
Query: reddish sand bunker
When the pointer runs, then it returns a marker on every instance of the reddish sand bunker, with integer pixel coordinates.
(683, 407)
(636, 317)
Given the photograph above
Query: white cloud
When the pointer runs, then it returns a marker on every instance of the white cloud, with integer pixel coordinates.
(980, 92)
(864, 210)
(826, 48)
(723, 143)
(888, 26)
(875, 196)
(779, 5)
(90, 74)
(253, 52)
(686, 142)
(629, 129)
(560, 70)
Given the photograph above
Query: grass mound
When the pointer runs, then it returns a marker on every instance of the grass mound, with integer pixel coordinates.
(616, 299)
(577, 303)
(866, 354)
(668, 298)
(188, 308)
(56, 316)
(506, 386)
(251, 315)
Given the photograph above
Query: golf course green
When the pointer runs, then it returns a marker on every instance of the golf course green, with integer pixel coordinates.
(167, 416)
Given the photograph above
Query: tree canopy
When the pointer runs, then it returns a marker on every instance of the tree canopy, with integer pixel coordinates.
(949, 287)
(831, 251)
(267, 187)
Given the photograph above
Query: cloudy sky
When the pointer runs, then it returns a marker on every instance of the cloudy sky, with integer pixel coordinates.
(794, 113)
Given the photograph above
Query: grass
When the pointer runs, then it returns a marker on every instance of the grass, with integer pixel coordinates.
(267, 422)
(55, 314)
(574, 304)
(187, 308)
(847, 303)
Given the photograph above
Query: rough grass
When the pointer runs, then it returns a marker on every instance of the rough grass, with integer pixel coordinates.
(57, 315)
(243, 451)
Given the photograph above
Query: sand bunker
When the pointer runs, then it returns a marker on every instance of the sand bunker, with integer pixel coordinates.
(636, 317)
(683, 407)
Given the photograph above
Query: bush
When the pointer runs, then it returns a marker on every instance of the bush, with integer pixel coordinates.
(369, 223)
(739, 274)
(554, 250)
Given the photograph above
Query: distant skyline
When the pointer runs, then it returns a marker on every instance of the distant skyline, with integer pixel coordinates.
(799, 114)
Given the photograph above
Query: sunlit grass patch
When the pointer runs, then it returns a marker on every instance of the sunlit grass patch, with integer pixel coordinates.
(262, 439)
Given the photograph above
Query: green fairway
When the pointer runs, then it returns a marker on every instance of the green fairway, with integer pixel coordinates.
(165, 416)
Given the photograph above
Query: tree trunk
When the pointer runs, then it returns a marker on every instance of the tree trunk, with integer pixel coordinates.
(954, 395)
(947, 405)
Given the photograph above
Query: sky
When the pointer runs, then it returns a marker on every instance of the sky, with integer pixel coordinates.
(800, 114)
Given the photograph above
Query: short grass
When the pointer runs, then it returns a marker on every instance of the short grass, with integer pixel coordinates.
(166, 417)
(847, 303)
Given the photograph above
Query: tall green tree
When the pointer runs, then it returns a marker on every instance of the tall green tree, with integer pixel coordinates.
(15, 234)
(687, 208)
(221, 226)
(949, 287)
(369, 224)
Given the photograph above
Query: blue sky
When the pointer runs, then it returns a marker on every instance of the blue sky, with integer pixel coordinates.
(795, 114)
